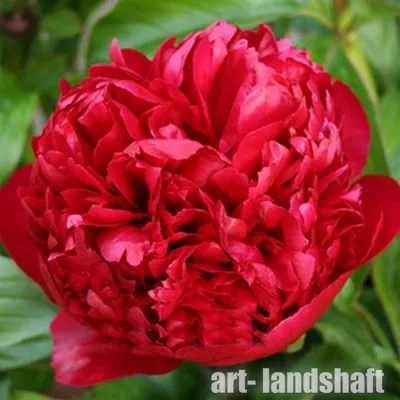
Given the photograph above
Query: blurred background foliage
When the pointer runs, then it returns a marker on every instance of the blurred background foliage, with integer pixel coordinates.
(356, 40)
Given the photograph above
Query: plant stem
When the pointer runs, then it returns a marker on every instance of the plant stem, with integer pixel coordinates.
(103, 9)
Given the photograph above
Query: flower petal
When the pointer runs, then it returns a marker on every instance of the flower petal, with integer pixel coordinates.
(248, 152)
(356, 135)
(285, 333)
(114, 243)
(174, 149)
(14, 227)
(381, 205)
(81, 357)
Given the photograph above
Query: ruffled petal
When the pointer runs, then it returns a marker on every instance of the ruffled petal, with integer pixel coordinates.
(81, 357)
(284, 334)
(14, 227)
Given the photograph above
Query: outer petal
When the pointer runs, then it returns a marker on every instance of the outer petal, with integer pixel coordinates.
(13, 226)
(285, 333)
(381, 206)
(292, 328)
(356, 135)
(81, 357)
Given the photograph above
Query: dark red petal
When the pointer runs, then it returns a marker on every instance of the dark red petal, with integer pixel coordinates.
(174, 149)
(356, 135)
(65, 87)
(381, 205)
(14, 226)
(249, 150)
(81, 357)
(285, 333)
(116, 55)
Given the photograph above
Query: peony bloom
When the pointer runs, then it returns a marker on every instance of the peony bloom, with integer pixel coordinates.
(205, 205)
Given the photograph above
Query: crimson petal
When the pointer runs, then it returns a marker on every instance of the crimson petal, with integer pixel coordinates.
(381, 205)
(81, 357)
(356, 135)
(14, 227)
(284, 334)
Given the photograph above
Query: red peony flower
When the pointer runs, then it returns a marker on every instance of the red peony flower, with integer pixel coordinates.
(204, 205)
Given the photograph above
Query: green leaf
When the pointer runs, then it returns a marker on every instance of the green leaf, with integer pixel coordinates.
(350, 332)
(389, 110)
(36, 377)
(387, 353)
(395, 165)
(43, 74)
(25, 312)
(16, 111)
(352, 288)
(362, 396)
(358, 60)
(61, 24)
(323, 11)
(212, 396)
(187, 382)
(296, 346)
(341, 68)
(383, 57)
(384, 396)
(385, 271)
(365, 11)
(25, 352)
(4, 387)
(20, 395)
(370, 301)
(144, 25)
(132, 388)
(386, 276)
(326, 357)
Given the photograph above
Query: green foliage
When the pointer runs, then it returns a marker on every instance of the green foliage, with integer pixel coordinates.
(153, 21)
(16, 111)
(357, 41)
(337, 328)
(297, 345)
(386, 275)
(352, 289)
(25, 311)
(389, 111)
(21, 395)
(61, 24)
(25, 315)
(35, 377)
(185, 383)
(4, 386)
(382, 57)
